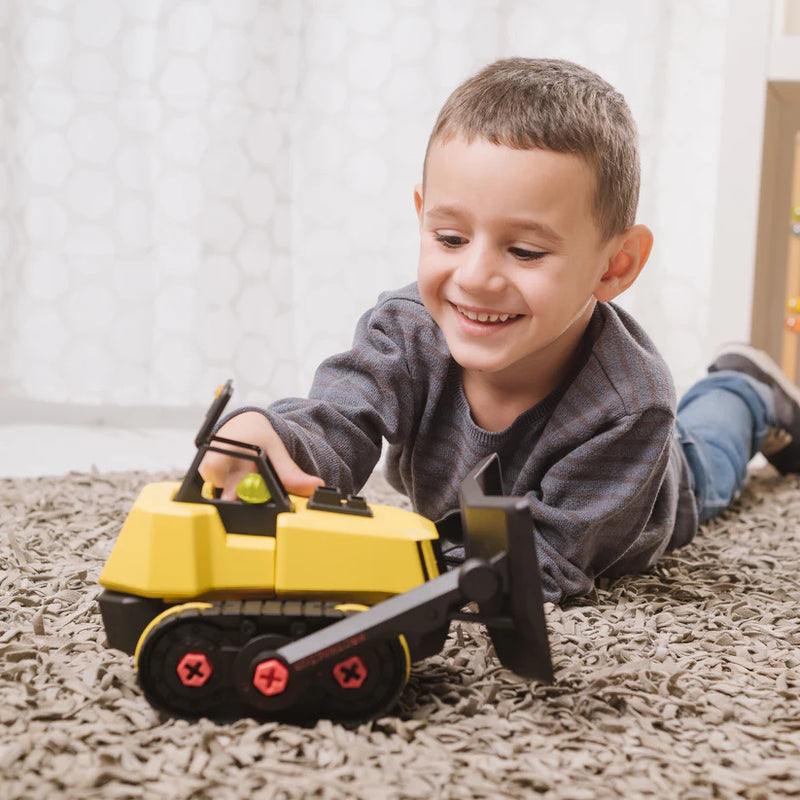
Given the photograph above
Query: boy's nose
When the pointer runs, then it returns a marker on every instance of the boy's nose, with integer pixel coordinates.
(480, 269)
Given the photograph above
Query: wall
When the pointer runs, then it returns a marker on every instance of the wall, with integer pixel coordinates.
(192, 190)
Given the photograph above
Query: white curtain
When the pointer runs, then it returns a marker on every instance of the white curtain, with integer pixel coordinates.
(192, 190)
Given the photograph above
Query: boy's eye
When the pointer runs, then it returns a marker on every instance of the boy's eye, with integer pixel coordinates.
(449, 240)
(526, 255)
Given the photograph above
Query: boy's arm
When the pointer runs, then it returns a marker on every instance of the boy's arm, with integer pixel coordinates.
(357, 399)
(608, 505)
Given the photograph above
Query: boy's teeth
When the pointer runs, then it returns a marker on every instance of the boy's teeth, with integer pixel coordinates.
(485, 317)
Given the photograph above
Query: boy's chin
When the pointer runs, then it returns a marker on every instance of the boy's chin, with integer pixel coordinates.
(483, 364)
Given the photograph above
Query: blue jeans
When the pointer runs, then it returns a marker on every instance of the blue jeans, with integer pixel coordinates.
(722, 421)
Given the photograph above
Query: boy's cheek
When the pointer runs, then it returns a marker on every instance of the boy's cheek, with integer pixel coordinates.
(425, 280)
(431, 268)
(427, 295)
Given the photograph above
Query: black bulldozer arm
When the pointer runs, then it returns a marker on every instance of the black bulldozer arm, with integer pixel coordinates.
(500, 574)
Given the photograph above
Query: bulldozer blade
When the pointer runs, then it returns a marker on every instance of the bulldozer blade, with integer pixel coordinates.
(493, 524)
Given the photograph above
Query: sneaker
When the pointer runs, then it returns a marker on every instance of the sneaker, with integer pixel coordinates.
(781, 447)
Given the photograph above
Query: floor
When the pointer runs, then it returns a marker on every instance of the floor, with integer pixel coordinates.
(37, 449)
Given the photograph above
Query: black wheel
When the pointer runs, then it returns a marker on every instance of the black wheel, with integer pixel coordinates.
(180, 665)
(367, 681)
(261, 680)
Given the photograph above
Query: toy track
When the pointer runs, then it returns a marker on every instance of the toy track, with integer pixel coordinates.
(219, 660)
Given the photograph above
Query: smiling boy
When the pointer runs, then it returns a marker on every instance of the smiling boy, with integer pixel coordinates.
(511, 265)
(509, 343)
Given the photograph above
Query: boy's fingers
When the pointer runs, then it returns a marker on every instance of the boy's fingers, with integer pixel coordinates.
(291, 476)
(233, 479)
(295, 481)
(214, 468)
(227, 472)
(302, 484)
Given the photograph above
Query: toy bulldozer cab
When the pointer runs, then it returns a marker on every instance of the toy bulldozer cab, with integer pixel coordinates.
(261, 500)
(281, 608)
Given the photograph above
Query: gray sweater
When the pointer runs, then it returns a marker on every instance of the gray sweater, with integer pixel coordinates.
(598, 461)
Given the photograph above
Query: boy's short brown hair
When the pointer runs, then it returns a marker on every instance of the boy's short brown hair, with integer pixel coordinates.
(527, 103)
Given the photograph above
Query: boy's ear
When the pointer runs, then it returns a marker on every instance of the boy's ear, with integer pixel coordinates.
(418, 201)
(624, 266)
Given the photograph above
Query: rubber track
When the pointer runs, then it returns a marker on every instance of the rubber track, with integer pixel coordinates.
(234, 636)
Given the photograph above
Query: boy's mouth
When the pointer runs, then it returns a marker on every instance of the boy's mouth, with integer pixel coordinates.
(484, 316)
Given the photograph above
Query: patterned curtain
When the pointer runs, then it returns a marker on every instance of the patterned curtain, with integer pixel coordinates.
(192, 190)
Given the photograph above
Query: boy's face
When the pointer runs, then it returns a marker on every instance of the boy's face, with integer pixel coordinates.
(510, 255)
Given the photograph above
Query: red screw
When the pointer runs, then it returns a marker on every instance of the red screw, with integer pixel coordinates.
(350, 673)
(271, 677)
(194, 669)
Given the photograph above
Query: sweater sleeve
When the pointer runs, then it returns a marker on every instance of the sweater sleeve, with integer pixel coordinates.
(357, 399)
(603, 507)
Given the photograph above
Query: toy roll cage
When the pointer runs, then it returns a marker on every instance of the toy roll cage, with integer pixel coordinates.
(256, 519)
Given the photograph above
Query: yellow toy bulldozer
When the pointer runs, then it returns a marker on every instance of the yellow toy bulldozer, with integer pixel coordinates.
(282, 607)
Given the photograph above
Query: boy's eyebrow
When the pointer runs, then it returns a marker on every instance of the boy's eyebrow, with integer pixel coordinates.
(532, 225)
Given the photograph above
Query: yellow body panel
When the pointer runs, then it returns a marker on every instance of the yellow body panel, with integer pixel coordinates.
(179, 551)
(346, 557)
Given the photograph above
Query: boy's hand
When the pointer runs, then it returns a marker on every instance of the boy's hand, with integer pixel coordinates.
(254, 428)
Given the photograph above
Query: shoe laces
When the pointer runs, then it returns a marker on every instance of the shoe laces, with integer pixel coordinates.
(775, 441)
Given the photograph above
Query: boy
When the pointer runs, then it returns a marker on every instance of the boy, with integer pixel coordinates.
(509, 343)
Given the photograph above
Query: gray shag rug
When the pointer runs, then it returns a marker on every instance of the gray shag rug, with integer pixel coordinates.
(684, 682)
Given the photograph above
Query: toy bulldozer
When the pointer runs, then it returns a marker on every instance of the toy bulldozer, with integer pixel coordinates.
(279, 607)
